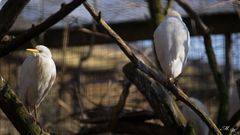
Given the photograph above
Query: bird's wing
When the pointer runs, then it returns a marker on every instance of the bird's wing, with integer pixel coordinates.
(161, 42)
(199, 126)
(179, 47)
(180, 40)
(27, 78)
(48, 78)
(171, 42)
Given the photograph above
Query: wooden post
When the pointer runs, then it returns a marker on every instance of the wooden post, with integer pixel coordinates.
(228, 61)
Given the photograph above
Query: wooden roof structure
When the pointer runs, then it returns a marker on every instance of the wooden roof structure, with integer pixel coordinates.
(131, 19)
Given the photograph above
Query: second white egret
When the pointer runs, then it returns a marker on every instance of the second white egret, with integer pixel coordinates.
(198, 124)
(172, 40)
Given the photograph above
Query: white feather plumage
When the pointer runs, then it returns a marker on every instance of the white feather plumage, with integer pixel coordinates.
(36, 77)
(172, 41)
(199, 126)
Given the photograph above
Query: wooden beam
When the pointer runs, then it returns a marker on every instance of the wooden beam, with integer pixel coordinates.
(140, 30)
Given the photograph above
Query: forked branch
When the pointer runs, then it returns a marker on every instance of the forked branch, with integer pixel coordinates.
(223, 93)
(149, 71)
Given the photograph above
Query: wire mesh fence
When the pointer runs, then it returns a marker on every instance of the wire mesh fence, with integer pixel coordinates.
(91, 77)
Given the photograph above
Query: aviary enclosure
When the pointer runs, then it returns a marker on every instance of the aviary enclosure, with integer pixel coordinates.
(108, 81)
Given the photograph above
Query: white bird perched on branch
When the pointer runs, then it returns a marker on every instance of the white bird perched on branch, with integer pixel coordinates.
(198, 124)
(36, 77)
(172, 41)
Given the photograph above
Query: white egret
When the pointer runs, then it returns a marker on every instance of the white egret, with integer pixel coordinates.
(199, 126)
(36, 77)
(172, 40)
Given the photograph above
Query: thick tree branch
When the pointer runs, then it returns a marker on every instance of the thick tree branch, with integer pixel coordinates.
(152, 73)
(161, 102)
(156, 11)
(31, 33)
(16, 112)
(9, 13)
(223, 94)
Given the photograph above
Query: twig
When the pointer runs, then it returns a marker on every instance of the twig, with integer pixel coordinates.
(88, 99)
(78, 98)
(120, 105)
(223, 93)
(152, 73)
(87, 55)
(146, 59)
(88, 31)
(9, 13)
(65, 106)
(234, 119)
(29, 34)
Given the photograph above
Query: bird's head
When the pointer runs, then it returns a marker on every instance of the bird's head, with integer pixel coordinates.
(41, 49)
(173, 13)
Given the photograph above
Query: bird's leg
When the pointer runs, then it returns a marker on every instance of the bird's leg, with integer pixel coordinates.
(35, 113)
(175, 82)
(36, 119)
(31, 113)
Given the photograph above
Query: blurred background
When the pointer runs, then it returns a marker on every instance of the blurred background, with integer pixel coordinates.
(89, 63)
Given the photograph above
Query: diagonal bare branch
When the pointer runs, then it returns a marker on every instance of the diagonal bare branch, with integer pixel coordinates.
(9, 13)
(31, 33)
(152, 73)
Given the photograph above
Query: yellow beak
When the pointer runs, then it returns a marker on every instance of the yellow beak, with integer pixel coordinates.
(33, 50)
